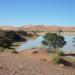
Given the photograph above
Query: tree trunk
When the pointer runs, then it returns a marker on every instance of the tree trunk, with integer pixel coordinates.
(49, 47)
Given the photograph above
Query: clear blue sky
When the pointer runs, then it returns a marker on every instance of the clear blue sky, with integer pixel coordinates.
(51, 12)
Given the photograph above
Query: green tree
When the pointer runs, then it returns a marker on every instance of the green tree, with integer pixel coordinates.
(7, 38)
(5, 42)
(22, 33)
(2, 34)
(14, 36)
(53, 41)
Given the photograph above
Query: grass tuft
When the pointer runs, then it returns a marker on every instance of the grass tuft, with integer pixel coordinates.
(55, 58)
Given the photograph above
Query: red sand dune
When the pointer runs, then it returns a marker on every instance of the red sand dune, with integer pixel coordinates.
(47, 28)
(39, 27)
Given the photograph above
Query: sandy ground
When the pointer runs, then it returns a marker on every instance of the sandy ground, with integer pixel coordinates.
(29, 63)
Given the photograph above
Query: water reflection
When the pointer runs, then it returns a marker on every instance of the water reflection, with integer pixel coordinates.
(69, 47)
(73, 41)
(35, 42)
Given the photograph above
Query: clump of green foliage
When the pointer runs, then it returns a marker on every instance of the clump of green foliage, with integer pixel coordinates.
(55, 58)
(61, 53)
(7, 38)
(53, 41)
(22, 33)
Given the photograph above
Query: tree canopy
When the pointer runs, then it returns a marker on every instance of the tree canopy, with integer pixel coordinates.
(53, 40)
(7, 38)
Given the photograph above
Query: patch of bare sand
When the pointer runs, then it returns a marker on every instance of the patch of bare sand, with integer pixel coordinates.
(37, 53)
(30, 63)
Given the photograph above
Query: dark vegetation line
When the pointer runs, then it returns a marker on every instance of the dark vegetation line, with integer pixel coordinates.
(7, 38)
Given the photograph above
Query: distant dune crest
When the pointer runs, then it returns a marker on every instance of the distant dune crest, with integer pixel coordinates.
(38, 27)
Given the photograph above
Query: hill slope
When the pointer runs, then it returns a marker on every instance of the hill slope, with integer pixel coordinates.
(47, 28)
(38, 27)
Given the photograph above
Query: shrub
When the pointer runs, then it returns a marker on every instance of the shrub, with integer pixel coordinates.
(61, 53)
(55, 58)
(22, 33)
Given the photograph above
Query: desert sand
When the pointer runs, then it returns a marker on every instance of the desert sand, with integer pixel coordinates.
(31, 62)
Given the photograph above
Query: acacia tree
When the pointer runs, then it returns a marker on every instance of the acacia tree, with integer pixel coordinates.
(53, 41)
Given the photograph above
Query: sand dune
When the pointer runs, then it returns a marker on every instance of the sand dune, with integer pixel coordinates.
(39, 27)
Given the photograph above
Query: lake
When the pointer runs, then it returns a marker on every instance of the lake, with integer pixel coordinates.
(32, 43)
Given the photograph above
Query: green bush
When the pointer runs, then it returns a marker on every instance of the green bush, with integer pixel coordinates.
(55, 58)
(61, 53)
(7, 38)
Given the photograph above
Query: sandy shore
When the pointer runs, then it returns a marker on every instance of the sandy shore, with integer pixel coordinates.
(29, 63)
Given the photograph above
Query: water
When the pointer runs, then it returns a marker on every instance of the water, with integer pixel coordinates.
(69, 47)
(31, 44)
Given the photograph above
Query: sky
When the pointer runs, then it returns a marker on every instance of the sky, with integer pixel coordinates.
(42, 12)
